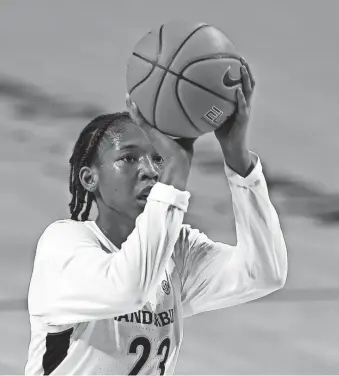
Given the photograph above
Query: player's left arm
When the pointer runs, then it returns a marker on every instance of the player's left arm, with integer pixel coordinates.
(215, 275)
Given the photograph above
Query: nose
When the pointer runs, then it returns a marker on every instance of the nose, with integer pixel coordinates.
(149, 169)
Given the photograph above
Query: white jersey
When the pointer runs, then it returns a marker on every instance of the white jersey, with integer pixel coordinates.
(97, 309)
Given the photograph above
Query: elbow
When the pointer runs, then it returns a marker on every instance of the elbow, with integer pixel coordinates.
(276, 282)
(265, 287)
(274, 278)
(270, 282)
(134, 294)
(142, 296)
(279, 283)
(133, 300)
(138, 303)
(140, 299)
(281, 277)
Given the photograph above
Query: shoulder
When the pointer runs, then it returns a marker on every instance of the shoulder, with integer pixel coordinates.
(66, 233)
(66, 227)
(61, 242)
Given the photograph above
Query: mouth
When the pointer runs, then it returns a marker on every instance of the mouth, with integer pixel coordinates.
(143, 194)
(142, 199)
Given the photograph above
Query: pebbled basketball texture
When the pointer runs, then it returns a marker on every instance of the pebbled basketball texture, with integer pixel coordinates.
(183, 77)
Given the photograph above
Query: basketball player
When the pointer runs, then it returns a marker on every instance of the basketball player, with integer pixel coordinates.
(109, 296)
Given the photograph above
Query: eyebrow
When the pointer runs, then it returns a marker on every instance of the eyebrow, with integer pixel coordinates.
(131, 147)
(128, 146)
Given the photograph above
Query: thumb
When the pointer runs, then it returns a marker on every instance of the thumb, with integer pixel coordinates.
(133, 110)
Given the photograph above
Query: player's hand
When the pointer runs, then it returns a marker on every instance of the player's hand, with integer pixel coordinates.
(177, 153)
(232, 134)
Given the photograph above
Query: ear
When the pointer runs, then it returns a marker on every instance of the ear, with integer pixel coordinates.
(89, 178)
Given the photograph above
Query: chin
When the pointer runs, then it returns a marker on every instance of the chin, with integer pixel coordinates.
(139, 207)
(141, 202)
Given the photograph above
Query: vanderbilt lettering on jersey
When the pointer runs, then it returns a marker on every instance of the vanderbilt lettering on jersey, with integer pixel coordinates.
(149, 318)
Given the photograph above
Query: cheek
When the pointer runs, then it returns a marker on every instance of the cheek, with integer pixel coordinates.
(116, 184)
(160, 169)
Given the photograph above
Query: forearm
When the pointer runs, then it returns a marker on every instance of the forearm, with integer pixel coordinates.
(178, 164)
(259, 237)
(176, 173)
(238, 159)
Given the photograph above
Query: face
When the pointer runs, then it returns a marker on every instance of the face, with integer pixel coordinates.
(128, 167)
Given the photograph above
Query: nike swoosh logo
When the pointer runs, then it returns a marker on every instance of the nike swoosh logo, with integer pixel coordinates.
(228, 80)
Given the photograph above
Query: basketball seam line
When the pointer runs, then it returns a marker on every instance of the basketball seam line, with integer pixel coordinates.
(168, 134)
(170, 63)
(183, 109)
(159, 52)
(143, 80)
(153, 67)
(160, 42)
(144, 119)
(158, 89)
(179, 75)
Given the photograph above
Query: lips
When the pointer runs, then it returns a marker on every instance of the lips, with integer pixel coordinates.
(144, 193)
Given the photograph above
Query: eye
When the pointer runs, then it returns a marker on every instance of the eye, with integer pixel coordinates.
(129, 158)
(158, 159)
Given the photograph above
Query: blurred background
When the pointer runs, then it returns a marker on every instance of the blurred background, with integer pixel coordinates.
(63, 62)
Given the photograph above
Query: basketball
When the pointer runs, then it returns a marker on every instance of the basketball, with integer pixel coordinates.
(183, 77)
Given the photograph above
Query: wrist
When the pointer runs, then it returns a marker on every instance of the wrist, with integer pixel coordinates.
(176, 172)
(239, 160)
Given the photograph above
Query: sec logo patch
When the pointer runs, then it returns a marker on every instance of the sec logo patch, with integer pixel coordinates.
(166, 287)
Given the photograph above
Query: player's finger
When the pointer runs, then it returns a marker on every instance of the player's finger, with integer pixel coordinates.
(133, 109)
(131, 106)
(246, 83)
(244, 62)
(128, 100)
(242, 104)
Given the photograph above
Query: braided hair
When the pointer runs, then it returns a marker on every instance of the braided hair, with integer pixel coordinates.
(83, 154)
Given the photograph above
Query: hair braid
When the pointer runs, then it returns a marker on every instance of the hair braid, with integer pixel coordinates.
(90, 199)
(83, 153)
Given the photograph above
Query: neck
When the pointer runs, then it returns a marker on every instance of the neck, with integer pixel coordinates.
(115, 226)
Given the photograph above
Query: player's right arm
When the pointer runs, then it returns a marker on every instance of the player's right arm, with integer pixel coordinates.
(74, 280)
